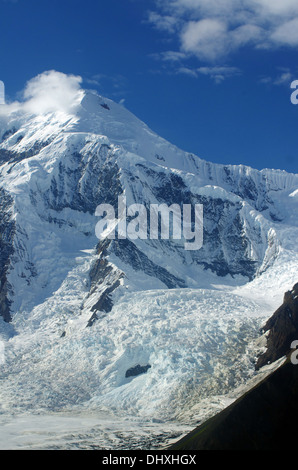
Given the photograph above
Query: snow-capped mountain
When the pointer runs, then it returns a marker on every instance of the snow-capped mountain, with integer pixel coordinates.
(135, 327)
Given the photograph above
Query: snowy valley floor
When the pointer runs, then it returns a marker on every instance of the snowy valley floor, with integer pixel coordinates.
(62, 431)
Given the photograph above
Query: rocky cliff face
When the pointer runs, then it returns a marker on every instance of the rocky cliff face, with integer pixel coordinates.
(7, 231)
(281, 329)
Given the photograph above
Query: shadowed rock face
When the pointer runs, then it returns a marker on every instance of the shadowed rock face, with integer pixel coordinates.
(104, 278)
(265, 418)
(129, 253)
(227, 244)
(7, 230)
(283, 329)
(137, 370)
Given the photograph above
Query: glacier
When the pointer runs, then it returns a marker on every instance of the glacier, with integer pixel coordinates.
(78, 314)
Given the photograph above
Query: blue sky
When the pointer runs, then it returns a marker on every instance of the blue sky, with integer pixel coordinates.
(212, 77)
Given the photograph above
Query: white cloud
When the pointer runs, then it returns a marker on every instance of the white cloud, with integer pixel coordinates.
(171, 56)
(163, 22)
(213, 29)
(188, 71)
(206, 38)
(285, 8)
(228, 8)
(285, 77)
(287, 33)
(52, 91)
(218, 74)
(48, 92)
(199, 8)
(246, 34)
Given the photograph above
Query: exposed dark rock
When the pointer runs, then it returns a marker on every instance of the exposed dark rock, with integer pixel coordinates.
(98, 273)
(92, 320)
(244, 186)
(8, 133)
(69, 189)
(105, 278)
(172, 189)
(105, 106)
(130, 254)
(137, 370)
(105, 304)
(7, 231)
(227, 241)
(13, 157)
(282, 328)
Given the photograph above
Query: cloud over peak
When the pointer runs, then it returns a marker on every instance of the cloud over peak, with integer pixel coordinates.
(49, 91)
(52, 91)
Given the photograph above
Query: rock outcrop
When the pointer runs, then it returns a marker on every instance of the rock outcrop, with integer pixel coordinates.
(282, 329)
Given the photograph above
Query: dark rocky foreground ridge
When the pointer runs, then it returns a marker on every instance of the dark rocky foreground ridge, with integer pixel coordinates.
(264, 418)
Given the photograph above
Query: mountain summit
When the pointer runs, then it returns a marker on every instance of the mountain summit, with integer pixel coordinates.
(56, 168)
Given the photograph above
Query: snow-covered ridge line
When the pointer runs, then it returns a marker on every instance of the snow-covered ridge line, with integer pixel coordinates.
(99, 115)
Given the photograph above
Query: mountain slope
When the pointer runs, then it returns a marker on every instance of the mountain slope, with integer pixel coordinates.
(58, 168)
(115, 325)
